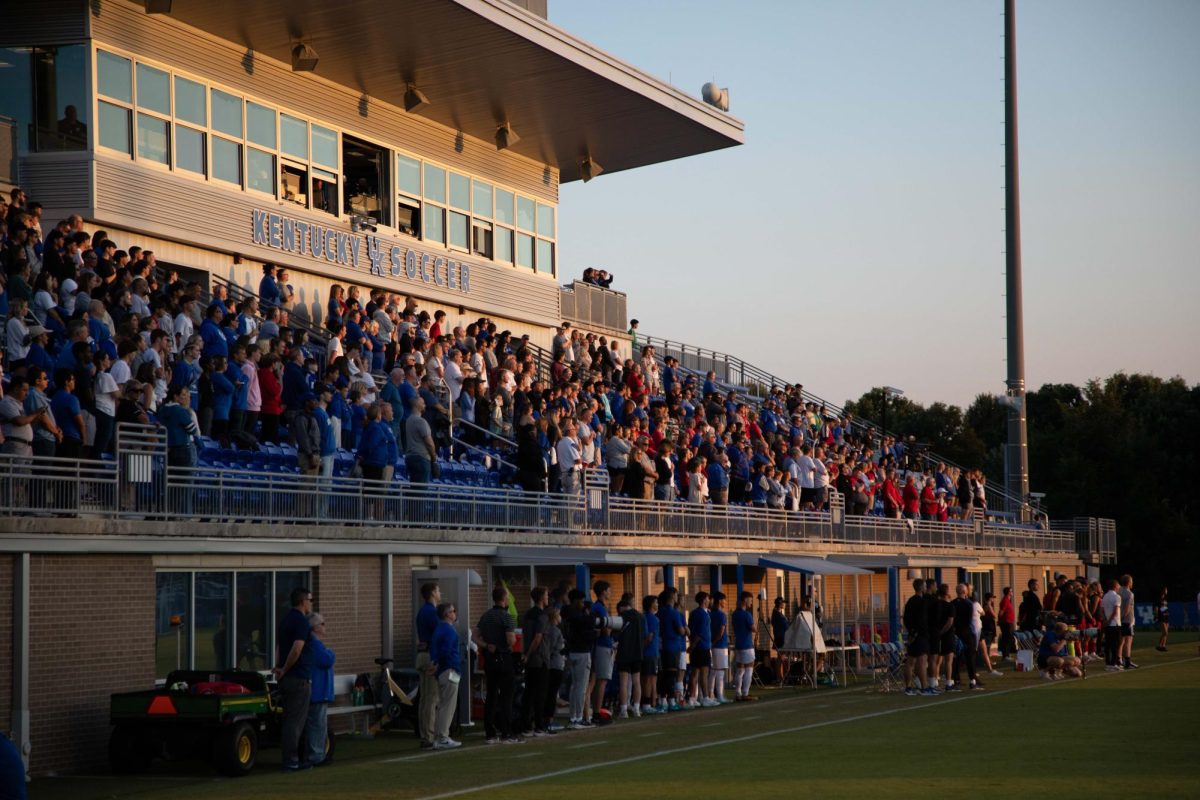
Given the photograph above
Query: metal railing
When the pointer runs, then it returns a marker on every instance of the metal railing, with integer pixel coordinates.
(48, 486)
(1095, 538)
(591, 306)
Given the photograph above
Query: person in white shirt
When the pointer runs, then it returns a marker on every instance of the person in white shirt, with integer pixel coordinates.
(567, 450)
(1110, 610)
(183, 327)
(454, 373)
(820, 479)
(122, 369)
(807, 468)
(140, 300)
(18, 332)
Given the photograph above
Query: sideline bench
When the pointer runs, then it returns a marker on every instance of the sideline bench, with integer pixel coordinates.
(343, 689)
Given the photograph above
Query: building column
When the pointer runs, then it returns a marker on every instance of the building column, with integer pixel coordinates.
(669, 575)
(583, 579)
(937, 576)
(387, 605)
(893, 604)
(714, 578)
(741, 582)
(20, 656)
(962, 576)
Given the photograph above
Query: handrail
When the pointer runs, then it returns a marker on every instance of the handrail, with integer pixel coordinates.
(30, 485)
(482, 452)
(461, 421)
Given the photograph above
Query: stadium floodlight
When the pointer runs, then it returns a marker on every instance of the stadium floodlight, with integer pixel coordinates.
(304, 58)
(715, 96)
(506, 137)
(589, 169)
(157, 6)
(414, 99)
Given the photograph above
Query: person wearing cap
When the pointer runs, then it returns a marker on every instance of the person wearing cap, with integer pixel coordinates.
(316, 725)
(46, 433)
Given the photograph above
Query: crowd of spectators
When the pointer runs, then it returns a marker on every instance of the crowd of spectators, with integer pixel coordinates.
(101, 335)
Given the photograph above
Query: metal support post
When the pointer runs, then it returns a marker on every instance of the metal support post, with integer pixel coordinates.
(893, 604)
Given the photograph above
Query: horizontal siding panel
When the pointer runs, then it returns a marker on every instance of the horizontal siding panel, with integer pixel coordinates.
(144, 199)
(45, 22)
(126, 26)
(58, 182)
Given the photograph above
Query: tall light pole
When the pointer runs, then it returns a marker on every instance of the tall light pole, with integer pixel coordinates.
(1016, 478)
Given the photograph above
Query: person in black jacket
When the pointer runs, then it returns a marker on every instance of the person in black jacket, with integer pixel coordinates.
(579, 629)
(916, 625)
(531, 464)
(1030, 610)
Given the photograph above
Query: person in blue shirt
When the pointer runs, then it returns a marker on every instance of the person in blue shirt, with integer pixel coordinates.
(295, 384)
(651, 655)
(390, 393)
(720, 649)
(374, 447)
(325, 428)
(446, 665)
(12, 771)
(223, 391)
(427, 693)
(316, 726)
(668, 376)
(180, 423)
(268, 289)
(743, 647)
(718, 481)
(293, 670)
(68, 415)
(710, 383)
(187, 373)
(674, 642)
(739, 470)
(700, 653)
(602, 658)
(1051, 658)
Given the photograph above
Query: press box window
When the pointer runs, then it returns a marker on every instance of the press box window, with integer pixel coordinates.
(364, 168)
(481, 238)
(408, 216)
(460, 225)
(115, 80)
(293, 183)
(54, 76)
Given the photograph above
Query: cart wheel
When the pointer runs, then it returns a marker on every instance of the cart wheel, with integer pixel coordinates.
(235, 749)
(329, 745)
(128, 750)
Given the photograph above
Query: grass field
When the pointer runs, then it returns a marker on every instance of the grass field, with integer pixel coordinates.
(1127, 735)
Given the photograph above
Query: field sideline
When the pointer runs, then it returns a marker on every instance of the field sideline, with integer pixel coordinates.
(1127, 734)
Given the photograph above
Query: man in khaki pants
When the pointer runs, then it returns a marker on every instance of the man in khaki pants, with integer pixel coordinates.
(427, 696)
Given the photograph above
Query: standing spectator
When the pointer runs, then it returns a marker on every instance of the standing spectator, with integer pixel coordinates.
(46, 433)
(446, 666)
(427, 694)
(1007, 619)
(916, 625)
(1030, 612)
(307, 434)
(268, 289)
(1162, 616)
(1110, 607)
(419, 450)
(674, 643)
(533, 628)
(569, 458)
(720, 649)
(616, 457)
(495, 636)
(68, 415)
(963, 612)
(779, 628)
(272, 397)
(631, 644)
(700, 636)
(316, 726)
(580, 635)
(554, 656)
(651, 655)
(1127, 620)
(105, 405)
(602, 659)
(17, 422)
(293, 670)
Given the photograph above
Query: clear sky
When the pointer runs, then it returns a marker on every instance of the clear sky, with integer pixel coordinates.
(857, 238)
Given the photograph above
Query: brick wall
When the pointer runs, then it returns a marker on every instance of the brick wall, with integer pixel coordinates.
(6, 641)
(349, 590)
(91, 634)
(403, 613)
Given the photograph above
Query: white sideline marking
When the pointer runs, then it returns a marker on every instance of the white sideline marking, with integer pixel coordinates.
(755, 736)
(528, 755)
(587, 744)
(713, 724)
(653, 733)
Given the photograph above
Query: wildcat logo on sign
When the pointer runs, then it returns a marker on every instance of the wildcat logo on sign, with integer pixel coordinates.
(384, 257)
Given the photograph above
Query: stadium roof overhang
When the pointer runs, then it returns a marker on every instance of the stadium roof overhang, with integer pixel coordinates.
(913, 561)
(805, 564)
(480, 63)
(557, 556)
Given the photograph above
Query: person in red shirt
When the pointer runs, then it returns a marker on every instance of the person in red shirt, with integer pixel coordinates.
(912, 499)
(272, 397)
(891, 496)
(1007, 618)
(929, 502)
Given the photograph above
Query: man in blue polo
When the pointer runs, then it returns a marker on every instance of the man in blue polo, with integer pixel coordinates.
(293, 670)
(743, 647)
(427, 694)
(602, 658)
(720, 649)
(700, 628)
